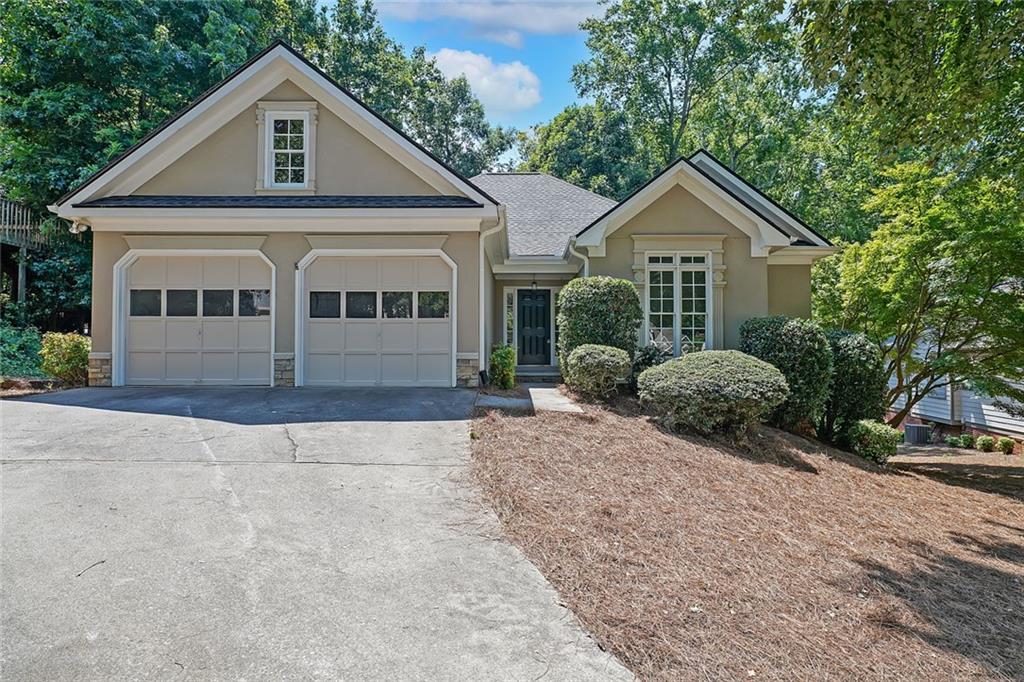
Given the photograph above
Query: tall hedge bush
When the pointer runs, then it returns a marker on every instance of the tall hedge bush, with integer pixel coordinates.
(857, 387)
(800, 350)
(598, 310)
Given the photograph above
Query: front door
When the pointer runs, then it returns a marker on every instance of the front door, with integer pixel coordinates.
(534, 307)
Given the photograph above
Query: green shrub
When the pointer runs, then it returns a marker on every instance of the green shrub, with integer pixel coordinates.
(800, 350)
(1005, 445)
(856, 388)
(874, 440)
(647, 357)
(967, 441)
(712, 391)
(19, 351)
(503, 366)
(66, 356)
(953, 441)
(598, 310)
(986, 443)
(593, 370)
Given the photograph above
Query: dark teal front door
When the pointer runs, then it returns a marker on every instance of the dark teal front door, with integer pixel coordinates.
(534, 326)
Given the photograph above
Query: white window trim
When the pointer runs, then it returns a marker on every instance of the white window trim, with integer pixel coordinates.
(676, 267)
(505, 291)
(266, 114)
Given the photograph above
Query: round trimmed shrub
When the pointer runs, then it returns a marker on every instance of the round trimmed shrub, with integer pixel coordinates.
(874, 440)
(503, 366)
(714, 391)
(800, 350)
(599, 310)
(986, 443)
(857, 387)
(593, 370)
(1005, 445)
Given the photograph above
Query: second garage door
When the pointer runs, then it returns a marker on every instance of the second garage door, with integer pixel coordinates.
(378, 321)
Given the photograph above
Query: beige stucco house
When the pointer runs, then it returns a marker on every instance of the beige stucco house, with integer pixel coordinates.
(279, 232)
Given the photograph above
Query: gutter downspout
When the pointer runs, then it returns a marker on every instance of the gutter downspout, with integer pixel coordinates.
(482, 359)
(585, 259)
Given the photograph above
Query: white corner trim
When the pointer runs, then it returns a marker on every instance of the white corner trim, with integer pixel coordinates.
(483, 357)
(300, 297)
(119, 309)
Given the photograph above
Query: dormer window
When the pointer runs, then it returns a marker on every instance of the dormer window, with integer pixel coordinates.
(288, 160)
(287, 146)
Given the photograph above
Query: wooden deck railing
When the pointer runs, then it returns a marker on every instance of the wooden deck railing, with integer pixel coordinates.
(20, 226)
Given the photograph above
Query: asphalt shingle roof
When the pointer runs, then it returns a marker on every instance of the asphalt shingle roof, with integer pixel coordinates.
(288, 201)
(542, 212)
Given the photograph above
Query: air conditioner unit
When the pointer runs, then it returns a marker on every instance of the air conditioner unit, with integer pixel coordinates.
(918, 434)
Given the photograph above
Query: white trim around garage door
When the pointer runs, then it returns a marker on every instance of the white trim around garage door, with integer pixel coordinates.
(300, 296)
(119, 310)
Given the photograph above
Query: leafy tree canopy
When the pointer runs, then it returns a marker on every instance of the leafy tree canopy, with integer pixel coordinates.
(939, 287)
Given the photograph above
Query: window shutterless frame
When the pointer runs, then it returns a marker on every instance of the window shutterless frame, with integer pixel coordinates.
(269, 151)
(678, 262)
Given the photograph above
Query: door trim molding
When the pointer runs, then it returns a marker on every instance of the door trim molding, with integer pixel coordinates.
(505, 291)
(119, 309)
(300, 297)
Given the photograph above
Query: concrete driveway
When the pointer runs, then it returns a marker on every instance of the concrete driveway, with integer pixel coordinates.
(255, 534)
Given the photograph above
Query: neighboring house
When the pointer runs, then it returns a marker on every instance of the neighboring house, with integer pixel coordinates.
(277, 231)
(960, 409)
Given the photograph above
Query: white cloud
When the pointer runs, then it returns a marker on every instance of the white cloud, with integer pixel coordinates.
(502, 88)
(497, 20)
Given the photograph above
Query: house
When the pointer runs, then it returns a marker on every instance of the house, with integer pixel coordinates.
(956, 409)
(279, 232)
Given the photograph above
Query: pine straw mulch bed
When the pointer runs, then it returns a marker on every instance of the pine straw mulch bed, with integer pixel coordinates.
(693, 559)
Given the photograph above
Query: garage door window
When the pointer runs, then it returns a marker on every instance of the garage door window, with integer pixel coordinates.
(433, 304)
(144, 303)
(396, 304)
(324, 304)
(253, 302)
(218, 302)
(182, 303)
(360, 305)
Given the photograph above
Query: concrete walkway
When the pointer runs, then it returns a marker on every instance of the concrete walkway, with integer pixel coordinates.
(264, 534)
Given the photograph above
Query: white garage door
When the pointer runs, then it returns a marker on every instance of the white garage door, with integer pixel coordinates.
(378, 321)
(198, 320)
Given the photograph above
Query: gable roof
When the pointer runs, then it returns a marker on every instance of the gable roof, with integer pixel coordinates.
(705, 167)
(283, 49)
(542, 212)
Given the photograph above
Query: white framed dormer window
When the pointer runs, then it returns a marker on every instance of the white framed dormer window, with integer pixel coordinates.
(678, 301)
(287, 146)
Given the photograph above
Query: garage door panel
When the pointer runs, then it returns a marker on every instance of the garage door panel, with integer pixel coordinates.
(183, 366)
(220, 334)
(434, 337)
(148, 271)
(144, 365)
(360, 337)
(361, 274)
(361, 368)
(254, 334)
(433, 274)
(146, 334)
(435, 369)
(398, 273)
(323, 337)
(220, 272)
(323, 368)
(183, 335)
(398, 336)
(221, 349)
(184, 272)
(398, 368)
(323, 273)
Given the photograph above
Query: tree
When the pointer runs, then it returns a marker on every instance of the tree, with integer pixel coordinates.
(590, 145)
(661, 58)
(946, 77)
(939, 287)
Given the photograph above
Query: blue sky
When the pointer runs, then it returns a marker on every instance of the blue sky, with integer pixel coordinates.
(517, 56)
